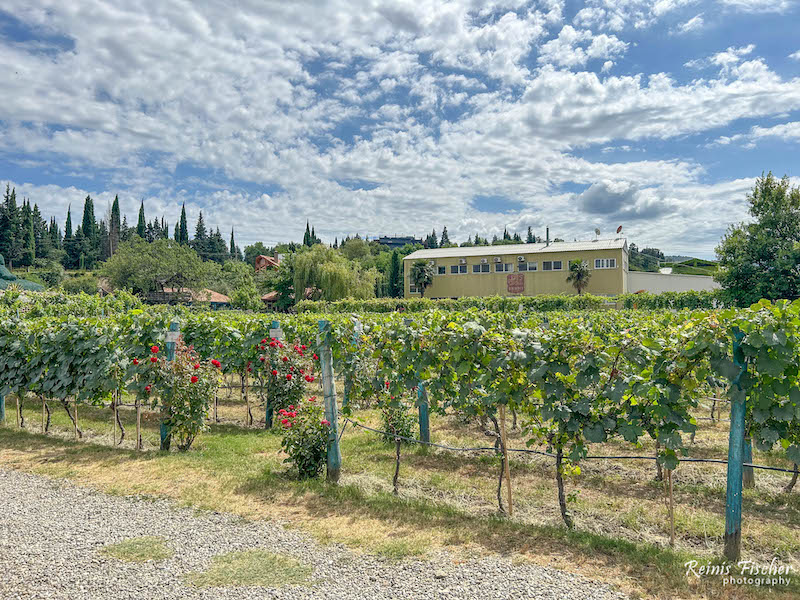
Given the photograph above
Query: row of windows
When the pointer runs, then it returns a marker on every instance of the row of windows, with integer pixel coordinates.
(523, 267)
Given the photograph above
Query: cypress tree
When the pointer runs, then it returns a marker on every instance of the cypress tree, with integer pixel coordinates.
(506, 235)
(200, 241)
(114, 229)
(68, 224)
(232, 251)
(445, 238)
(184, 229)
(531, 238)
(141, 226)
(307, 236)
(177, 233)
(395, 276)
(9, 226)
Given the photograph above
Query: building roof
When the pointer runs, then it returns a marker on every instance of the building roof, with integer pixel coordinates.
(269, 261)
(200, 295)
(612, 244)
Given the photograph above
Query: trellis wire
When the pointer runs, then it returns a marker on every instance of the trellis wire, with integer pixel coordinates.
(551, 455)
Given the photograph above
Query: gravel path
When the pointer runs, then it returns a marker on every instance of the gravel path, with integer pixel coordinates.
(51, 531)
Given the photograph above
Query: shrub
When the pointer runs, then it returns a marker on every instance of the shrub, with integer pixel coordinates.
(305, 437)
(182, 389)
(83, 283)
(281, 372)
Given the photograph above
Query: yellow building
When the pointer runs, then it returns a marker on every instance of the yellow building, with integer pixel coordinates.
(521, 269)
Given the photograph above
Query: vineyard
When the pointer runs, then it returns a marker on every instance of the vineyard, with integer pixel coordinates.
(551, 386)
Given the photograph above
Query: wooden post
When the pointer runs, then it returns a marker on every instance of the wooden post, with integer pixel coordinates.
(114, 415)
(216, 404)
(504, 439)
(334, 465)
(671, 510)
(733, 498)
(43, 414)
(269, 407)
(172, 339)
(19, 415)
(76, 418)
(138, 424)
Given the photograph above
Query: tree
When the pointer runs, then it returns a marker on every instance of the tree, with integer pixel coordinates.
(355, 249)
(144, 267)
(395, 276)
(183, 234)
(307, 241)
(579, 275)
(762, 259)
(254, 250)
(421, 275)
(506, 235)
(10, 225)
(200, 241)
(445, 240)
(29, 245)
(246, 296)
(141, 226)
(531, 239)
(115, 227)
(330, 276)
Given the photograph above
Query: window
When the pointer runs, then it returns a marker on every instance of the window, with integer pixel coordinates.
(605, 263)
(503, 268)
(484, 268)
(441, 270)
(413, 289)
(551, 265)
(456, 269)
(528, 266)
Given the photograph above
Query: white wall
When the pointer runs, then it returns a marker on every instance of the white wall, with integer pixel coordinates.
(660, 282)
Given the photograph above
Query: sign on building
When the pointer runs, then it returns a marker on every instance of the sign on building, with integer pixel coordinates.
(515, 283)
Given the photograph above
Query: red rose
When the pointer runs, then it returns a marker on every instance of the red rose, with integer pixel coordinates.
(291, 407)
(325, 422)
(194, 378)
(136, 361)
(316, 357)
(284, 421)
(274, 372)
(285, 359)
(303, 347)
(288, 376)
(153, 359)
(312, 398)
(262, 358)
(262, 347)
(264, 341)
(387, 384)
(147, 388)
(272, 344)
(154, 349)
(216, 363)
(249, 369)
(196, 367)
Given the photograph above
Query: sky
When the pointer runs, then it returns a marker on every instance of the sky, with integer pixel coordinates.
(384, 118)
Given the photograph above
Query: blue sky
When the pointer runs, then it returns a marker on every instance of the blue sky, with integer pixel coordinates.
(400, 117)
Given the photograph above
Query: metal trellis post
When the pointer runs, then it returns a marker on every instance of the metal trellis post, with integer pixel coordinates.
(422, 403)
(733, 499)
(269, 409)
(172, 339)
(334, 465)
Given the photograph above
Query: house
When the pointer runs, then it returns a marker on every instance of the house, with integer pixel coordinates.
(398, 242)
(270, 299)
(267, 262)
(188, 296)
(540, 268)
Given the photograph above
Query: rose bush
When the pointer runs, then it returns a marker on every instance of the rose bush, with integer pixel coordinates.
(305, 436)
(182, 389)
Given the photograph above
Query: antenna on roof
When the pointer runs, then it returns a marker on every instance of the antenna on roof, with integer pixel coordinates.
(596, 233)
(619, 230)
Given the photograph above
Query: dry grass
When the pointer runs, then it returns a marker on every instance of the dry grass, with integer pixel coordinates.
(252, 568)
(447, 500)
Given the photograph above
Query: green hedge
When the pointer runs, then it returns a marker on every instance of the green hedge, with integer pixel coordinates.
(674, 300)
(493, 303)
(666, 300)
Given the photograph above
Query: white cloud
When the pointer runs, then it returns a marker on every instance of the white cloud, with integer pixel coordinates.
(575, 48)
(759, 6)
(786, 132)
(693, 25)
(795, 55)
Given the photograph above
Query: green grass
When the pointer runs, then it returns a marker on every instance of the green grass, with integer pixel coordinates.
(139, 549)
(252, 568)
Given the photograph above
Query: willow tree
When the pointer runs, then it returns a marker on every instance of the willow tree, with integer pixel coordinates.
(330, 276)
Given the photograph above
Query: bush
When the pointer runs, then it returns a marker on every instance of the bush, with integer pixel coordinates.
(305, 437)
(83, 283)
(182, 388)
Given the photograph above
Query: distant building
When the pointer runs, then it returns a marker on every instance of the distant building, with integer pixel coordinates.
(189, 296)
(540, 268)
(267, 262)
(397, 242)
